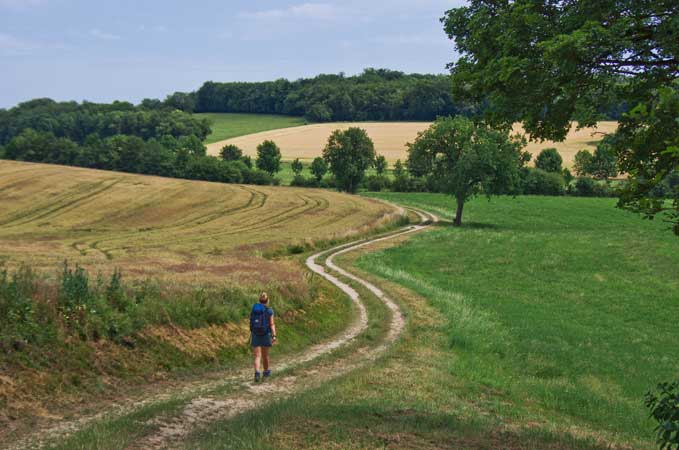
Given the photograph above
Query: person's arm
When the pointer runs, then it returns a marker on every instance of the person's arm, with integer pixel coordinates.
(272, 325)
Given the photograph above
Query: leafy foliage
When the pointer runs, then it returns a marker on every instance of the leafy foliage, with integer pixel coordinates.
(77, 122)
(231, 152)
(549, 160)
(319, 168)
(381, 164)
(349, 154)
(664, 406)
(466, 159)
(297, 166)
(582, 162)
(269, 157)
(544, 63)
(376, 94)
(541, 182)
(181, 158)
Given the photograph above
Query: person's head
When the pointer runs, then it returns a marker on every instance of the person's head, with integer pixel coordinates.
(263, 298)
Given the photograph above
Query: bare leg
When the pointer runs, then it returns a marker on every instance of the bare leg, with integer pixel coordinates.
(265, 357)
(258, 356)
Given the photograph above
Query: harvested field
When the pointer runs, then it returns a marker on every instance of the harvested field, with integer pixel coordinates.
(177, 230)
(390, 138)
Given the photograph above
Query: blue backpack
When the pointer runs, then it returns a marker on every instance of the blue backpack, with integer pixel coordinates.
(259, 320)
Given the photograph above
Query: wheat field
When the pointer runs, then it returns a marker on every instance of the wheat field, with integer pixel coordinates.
(390, 138)
(169, 229)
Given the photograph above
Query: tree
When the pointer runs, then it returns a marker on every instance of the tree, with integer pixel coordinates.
(545, 63)
(549, 160)
(319, 168)
(603, 164)
(349, 154)
(231, 152)
(381, 165)
(467, 159)
(582, 163)
(297, 166)
(664, 406)
(399, 170)
(269, 157)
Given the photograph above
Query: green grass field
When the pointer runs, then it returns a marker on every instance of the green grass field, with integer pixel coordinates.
(227, 125)
(559, 306)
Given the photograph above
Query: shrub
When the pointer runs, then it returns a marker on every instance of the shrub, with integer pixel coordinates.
(377, 183)
(301, 181)
(584, 187)
(539, 182)
(664, 406)
(401, 183)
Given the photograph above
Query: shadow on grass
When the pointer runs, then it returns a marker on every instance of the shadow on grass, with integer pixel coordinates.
(472, 226)
(306, 424)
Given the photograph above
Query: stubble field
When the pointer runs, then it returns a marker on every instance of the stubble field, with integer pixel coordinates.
(390, 138)
(184, 231)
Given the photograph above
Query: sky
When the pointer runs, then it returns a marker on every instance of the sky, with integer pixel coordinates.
(109, 50)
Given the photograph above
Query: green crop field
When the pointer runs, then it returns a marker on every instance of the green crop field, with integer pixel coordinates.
(229, 125)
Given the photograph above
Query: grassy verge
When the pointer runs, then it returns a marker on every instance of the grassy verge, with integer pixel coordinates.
(176, 336)
(227, 125)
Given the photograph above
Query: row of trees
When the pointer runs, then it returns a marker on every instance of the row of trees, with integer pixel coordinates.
(78, 121)
(168, 156)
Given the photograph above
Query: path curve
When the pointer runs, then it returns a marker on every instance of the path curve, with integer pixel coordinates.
(207, 407)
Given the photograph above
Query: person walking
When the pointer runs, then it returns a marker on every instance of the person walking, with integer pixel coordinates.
(263, 335)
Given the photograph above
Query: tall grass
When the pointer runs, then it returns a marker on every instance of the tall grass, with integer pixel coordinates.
(34, 310)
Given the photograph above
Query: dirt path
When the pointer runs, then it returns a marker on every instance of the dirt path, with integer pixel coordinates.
(204, 403)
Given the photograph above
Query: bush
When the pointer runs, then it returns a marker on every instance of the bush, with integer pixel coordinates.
(585, 187)
(258, 177)
(540, 182)
(377, 183)
(604, 190)
(401, 183)
(301, 181)
(664, 406)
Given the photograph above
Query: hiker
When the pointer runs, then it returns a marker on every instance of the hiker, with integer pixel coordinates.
(263, 334)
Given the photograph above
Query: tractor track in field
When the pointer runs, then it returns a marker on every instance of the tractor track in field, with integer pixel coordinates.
(206, 402)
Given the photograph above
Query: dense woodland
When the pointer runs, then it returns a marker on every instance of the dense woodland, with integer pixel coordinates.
(375, 94)
(120, 136)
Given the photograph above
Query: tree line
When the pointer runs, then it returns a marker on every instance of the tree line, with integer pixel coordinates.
(375, 94)
(118, 136)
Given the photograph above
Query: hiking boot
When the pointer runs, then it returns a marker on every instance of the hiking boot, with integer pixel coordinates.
(267, 373)
(257, 377)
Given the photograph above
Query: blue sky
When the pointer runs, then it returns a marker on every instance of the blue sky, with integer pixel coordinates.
(122, 49)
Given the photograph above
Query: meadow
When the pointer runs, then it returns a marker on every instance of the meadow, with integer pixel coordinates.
(173, 230)
(230, 125)
(528, 327)
(558, 306)
(390, 139)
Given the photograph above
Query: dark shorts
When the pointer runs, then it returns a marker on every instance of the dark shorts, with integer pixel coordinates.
(261, 341)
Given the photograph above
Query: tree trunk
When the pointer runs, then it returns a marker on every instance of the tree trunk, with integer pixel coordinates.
(458, 213)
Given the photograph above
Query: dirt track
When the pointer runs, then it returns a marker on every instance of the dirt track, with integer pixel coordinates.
(204, 402)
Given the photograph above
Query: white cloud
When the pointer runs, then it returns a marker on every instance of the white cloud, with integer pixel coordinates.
(103, 35)
(319, 11)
